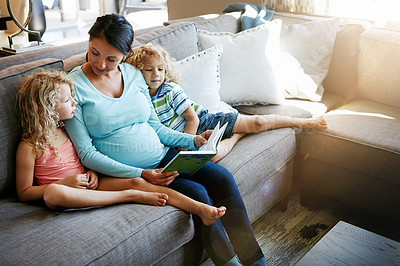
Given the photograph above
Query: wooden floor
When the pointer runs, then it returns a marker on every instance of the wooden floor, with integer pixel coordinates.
(285, 237)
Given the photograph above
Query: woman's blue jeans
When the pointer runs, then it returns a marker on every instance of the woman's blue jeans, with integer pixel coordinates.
(215, 185)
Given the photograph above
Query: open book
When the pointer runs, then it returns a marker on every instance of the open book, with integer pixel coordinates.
(187, 163)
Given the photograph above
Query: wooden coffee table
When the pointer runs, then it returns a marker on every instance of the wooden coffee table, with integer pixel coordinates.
(346, 244)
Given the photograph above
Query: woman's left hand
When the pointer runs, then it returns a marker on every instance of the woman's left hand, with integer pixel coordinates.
(201, 139)
(155, 176)
(93, 179)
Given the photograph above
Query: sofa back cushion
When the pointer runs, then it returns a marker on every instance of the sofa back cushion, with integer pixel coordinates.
(58, 52)
(378, 66)
(179, 40)
(342, 74)
(10, 78)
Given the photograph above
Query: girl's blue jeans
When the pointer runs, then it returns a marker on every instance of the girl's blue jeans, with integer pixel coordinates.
(215, 185)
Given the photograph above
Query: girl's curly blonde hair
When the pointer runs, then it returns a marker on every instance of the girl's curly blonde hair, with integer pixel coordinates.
(37, 98)
(136, 60)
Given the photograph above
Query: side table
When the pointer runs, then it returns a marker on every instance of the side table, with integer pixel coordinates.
(346, 244)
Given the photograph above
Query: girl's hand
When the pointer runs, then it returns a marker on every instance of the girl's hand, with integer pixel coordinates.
(93, 179)
(155, 176)
(75, 181)
(201, 139)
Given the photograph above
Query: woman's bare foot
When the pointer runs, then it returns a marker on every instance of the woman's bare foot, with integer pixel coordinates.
(318, 123)
(149, 198)
(209, 214)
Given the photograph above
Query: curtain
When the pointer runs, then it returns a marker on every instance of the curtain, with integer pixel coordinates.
(365, 9)
(381, 13)
(299, 6)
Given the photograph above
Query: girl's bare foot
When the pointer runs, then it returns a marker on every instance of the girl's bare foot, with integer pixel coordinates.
(209, 214)
(149, 198)
(318, 123)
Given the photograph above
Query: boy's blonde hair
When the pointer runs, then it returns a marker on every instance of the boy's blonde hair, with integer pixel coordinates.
(37, 98)
(136, 60)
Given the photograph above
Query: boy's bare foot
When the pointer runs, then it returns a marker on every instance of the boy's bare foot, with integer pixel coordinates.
(226, 146)
(209, 214)
(149, 198)
(318, 123)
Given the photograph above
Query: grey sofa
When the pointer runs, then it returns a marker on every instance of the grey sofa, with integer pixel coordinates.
(133, 234)
(357, 160)
(124, 234)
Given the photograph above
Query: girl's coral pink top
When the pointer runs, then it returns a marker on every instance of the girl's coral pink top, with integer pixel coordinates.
(50, 168)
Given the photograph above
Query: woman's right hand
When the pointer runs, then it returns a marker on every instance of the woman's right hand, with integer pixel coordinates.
(202, 139)
(75, 181)
(155, 176)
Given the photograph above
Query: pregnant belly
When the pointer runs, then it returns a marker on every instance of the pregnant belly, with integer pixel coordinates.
(139, 148)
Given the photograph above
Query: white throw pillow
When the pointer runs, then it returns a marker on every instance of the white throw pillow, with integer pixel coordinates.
(200, 77)
(226, 108)
(292, 80)
(248, 64)
(311, 44)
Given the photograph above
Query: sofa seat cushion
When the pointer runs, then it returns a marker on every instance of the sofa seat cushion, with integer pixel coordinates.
(328, 102)
(124, 234)
(290, 107)
(363, 136)
(277, 109)
(296, 107)
(265, 159)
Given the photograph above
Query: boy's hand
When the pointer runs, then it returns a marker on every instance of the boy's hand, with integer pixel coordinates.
(201, 139)
(75, 181)
(93, 179)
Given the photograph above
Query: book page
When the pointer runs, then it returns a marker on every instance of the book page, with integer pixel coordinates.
(214, 139)
(188, 162)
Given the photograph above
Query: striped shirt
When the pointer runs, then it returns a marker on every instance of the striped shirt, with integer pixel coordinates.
(170, 102)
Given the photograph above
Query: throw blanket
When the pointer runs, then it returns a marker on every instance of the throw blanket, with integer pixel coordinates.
(252, 16)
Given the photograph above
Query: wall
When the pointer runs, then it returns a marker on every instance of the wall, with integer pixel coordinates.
(20, 10)
(189, 8)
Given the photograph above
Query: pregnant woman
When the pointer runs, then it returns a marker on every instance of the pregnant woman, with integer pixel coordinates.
(116, 132)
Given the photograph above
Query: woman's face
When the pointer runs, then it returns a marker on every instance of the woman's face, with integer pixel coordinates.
(103, 57)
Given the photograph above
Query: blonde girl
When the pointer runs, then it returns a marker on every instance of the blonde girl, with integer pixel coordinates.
(49, 169)
(178, 112)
